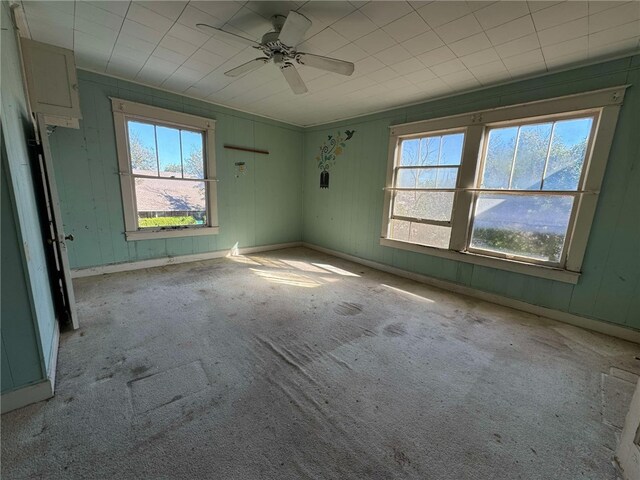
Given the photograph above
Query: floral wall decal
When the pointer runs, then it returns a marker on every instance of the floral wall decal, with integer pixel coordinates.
(332, 148)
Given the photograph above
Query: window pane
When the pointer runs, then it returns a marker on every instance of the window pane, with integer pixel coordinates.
(500, 151)
(430, 235)
(424, 205)
(531, 155)
(427, 178)
(568, 150)
(532, 226)
(429, 150)
(409, 152)
(169, 152)
(165, 202)
(142, 148)
(420, 233)
(192, 154)
(451, 153)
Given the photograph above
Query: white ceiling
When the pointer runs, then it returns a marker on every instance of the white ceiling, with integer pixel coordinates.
(404, 52)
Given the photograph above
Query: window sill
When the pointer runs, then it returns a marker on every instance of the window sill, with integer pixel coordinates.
(170, 233)
(541, 271)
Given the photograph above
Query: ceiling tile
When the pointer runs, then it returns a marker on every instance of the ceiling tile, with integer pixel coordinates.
(324, 42)
(615, 16)
(458, 29)
(167, 8)
(536, 5)
(439, 13)
(436, 56)
(566, 31)
(408, 66)
(489, 71)
(523, 59)
(354, 25)
(135, 43)
(224, 49)
(169, 55)
(326, 12)
(511, 30)
(220, 10)
(570, 47)
(350, 52)
(189, 35)
(208, 58)
(104, 18)
(179, 46)
(367, 65)
(423, 43)
(96, 30)
(123, 52)
(480, 58)
(384, 74)
(192, 16)
(149, 18)
(420, 76)
(462, 80)
(271, 8)
(603, 51)
(616, 34)
(375, 42)
(248, 21)
(520, 45)
(471, 44)
(383, 13)
(450, 66)
(119, 7)
(596, 6)
(406, 27)
(393, 55)
(501, 12)
(123, 67)
(559, 13)
(137, 30)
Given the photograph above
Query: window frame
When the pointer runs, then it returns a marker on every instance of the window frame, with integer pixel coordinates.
(124, 111)
(604, 105)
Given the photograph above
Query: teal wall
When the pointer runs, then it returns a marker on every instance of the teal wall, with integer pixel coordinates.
(261, 207)
(28, 318)
(347, 217)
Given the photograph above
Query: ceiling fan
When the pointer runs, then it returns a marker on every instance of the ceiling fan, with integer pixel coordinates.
(279, 45)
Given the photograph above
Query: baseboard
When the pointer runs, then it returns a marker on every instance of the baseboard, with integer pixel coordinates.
(35, 392)
(160, 262)
(590, 324)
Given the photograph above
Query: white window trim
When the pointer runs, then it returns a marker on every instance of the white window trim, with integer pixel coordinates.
(604, 104)
(124, 110)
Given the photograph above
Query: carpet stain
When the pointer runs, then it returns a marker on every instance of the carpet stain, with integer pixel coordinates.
(348, 309)
(395, 330)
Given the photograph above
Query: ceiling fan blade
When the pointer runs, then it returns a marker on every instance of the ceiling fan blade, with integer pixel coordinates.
(293, 79)
(218, 32)
(246, 67)
(325, 63)
(294, 28)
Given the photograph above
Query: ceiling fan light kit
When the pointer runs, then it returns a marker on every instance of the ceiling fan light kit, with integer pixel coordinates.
(279, 46)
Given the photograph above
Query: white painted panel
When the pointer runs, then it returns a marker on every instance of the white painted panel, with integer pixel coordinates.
(51, 78)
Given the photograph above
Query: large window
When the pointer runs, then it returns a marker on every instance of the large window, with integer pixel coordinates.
(168, 171)
(513, 188)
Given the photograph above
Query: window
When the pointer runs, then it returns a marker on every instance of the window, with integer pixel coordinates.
(512, 188)
(425, 181)
(167, 170)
